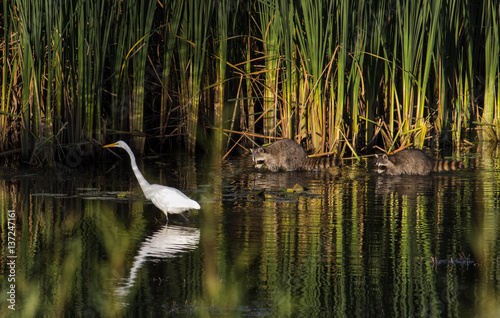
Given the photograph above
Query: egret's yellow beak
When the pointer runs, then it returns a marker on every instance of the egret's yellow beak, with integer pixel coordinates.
(110, 145)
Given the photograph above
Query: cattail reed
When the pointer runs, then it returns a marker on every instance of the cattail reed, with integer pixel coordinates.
(333, 75)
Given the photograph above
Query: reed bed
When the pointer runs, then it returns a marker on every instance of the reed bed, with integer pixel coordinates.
(337, 76)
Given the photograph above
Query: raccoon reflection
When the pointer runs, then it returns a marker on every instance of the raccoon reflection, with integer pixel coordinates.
(411, 186)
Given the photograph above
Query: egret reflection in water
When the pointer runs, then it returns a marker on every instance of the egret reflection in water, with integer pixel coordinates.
(168, 242)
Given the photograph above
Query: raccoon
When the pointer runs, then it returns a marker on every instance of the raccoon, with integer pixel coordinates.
(413, 162)
(288, 155)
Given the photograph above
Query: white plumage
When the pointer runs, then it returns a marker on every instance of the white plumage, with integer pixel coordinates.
(167, 199)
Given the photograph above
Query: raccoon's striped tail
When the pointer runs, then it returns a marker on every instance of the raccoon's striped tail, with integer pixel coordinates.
(320, 163)
(446, 165)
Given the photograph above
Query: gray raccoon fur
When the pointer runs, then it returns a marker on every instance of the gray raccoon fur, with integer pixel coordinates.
(286, 154)
(413, 162)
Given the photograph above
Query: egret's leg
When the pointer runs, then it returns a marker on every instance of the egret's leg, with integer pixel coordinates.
(187, 220)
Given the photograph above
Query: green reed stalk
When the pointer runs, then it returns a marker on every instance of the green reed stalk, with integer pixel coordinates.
(313, 36)
(140, 17)
(431, 17)
(440, 88)
(58, 63)
(101, 17)
(196, 23)
(461, 102)
(184, 53)
(50, 12)
(355, 74)
(342, 27)
(222, 54)
(131, 33)
(270, 26)
(173, 14)
(119, 67)
(82, 65)
(6, 89)
(441, 69)
(415, 21)
(474, 49)
(289, 78)
(392, 98)
(491, 112)
(93, 22)
(458, 21)
(375, 43)
(410, 41)
(31, 54)
(248, 81)
(55, 67)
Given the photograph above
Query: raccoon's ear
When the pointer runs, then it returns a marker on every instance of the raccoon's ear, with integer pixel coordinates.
(376, 156)
(384, 156)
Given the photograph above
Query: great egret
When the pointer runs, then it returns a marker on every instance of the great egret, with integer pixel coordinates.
(167, 199)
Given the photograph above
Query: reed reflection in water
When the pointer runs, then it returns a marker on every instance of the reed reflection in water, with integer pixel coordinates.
(350, 243)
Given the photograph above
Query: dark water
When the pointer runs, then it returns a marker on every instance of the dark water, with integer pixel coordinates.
(84, 242)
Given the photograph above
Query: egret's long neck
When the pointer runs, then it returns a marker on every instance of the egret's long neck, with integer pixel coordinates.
(142, 181)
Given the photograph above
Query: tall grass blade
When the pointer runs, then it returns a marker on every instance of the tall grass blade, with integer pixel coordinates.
(355, 73)
(31, 49)
(173, 14)
(314, 38)
(342, 27)
(270, 24)
(7, 69)
(431, 22)
(223, 16)
(491, 112)
(140, 17)
(289, 74)
(196, 23)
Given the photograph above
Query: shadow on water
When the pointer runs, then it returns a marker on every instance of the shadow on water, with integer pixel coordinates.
(338, 243)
